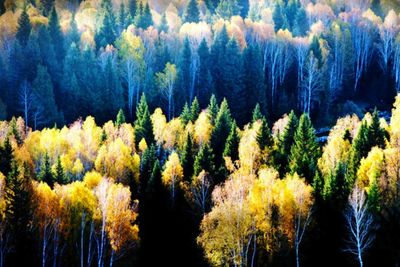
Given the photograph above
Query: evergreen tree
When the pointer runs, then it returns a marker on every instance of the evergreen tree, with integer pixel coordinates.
(376, 134)
(163, 27)
(279, 17)
(59, 175)
(122, 18)
(47, 6)
(301, 24)
(6, 156)
(232, 78)
(254, 79)
(132, 8)
(204, 161)
(204, 78)
(43, 89)
(186, 114)
(184, 73)
(374, 197)
(120, 118)
(24, 28)
(315, 48)
(143, 125)
(194, 110)
(227, 8)
(2, 7)
(376, 7)
(232, 144)
(154, 185)
(264, 137)
(192, 13)
(213, 109)
(45, 174)
(218, 58)
(244, 8)
(223, 125)
(107, 34)
(187, 158)
(305, 151)
(73, 34)
(145, 19)
(56, 36)
(257, 115)
(146, 167)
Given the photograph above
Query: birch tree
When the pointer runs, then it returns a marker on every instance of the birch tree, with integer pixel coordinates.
(388, 31)
(359, 224)
(312, 83)
(166, 81)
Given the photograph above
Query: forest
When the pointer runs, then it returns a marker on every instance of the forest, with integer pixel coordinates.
(199, 133)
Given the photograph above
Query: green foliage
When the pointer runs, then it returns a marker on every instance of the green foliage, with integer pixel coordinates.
(204, 161)
(46, 174)
(143, 125)
(59, 175)
(204, 86)
(264, 137)
(186, 114)
(144, 19)
(257, 115)
(6, 156)
(194, 110)
(56, 35)
(187, 158)
(24, 28)
(107, 34)
(232, 144)
(304, 151)
(163, 26)
(213, 109)
(374, 197)
(120, 118)
(192, 13)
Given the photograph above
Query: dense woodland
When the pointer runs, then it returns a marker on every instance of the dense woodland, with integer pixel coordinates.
(180, 133)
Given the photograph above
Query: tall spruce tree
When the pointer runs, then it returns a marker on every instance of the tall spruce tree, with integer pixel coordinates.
(59, 175)
(264, 137)
(46, 174)
(187, 158)
(120, 118)
(204, 161)
(56, 36)
(232, 144)
(6, 156)
(204, 86)
(24, 28)
(192, 13)
(186, 114)
(143, 125)
(218, 59)
(144, 18)
(194, 110)
(304, 151)
(213, 109)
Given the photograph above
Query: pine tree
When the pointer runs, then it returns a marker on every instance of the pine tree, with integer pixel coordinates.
(122, 18)
(204, 161)
(279, 17)
(143, 125)
(204, 78)
(120, 118)
(107, 34)
(45, 174)
(144, 19)
(163, 26)
(376, 7)
(232, 78)
(56, 35)
(73, 34)
(146, 167)
(244, 8)
(60, 176)
(186, 114)
(254, 79)
(286, 140)
(223, 125)
(213, 109)
(374, 196)
(43, 88)
(376, 134)
(6, 156)
(24, 28)
(187, 158)
(218, 59)
(184, 73)
(315, 48)
(192, 13)
(301, 24)
(47, 6)
(154, 185)
(305, 151)
(132, 8)
(194, 110)
(257, 115)
(264, 137)
(232, 144)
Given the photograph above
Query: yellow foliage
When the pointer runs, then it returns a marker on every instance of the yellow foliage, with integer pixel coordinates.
(142, 145)
(92, 179)
(370, 168)
(173, 172)
(159, 122)
(202, 129)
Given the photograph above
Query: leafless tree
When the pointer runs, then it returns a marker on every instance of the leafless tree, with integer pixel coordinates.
(311, 84)
(26, 99)
(359, 224)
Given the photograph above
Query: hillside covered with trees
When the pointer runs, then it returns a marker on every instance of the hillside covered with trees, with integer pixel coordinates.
(181, 133)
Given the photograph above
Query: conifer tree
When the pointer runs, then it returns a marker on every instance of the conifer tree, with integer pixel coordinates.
(186, 114)
(244, 8)
(6, 156)
(192, 13)
(194, 110)
(146, 167)
(305, 151)
(107, 34)
(24, 28)
(154, 184)
(279, 17)
(257, 115)
(204, 86)
(45, 174)
(120, 118)
(376, 134)
(59, 176)
(232, 144)
(143, 125)
(47, 6)
(185, 74)
(187, 158)
(213, 109)
(264, 137)
(204, 161)
(301, 23)
(56, 35)
(122, 18)
(144, 19)
(163, 26)
(218, 58)
(132, 8)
